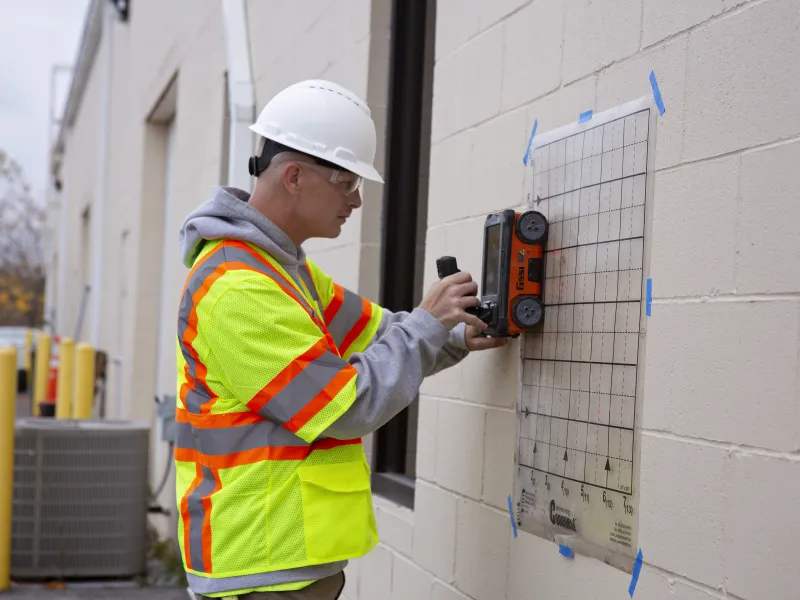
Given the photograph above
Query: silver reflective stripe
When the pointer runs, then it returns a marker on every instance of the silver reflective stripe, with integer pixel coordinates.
(228, 440)
(303, 388)
(200, 394)
(347, 316)
(208, 585)
(309, 281)
(197, 517)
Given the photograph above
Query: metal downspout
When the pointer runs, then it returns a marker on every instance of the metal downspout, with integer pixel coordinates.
(101, 191)
(241, 93)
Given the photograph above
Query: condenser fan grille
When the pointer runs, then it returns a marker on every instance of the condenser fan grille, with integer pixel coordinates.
(80, 499)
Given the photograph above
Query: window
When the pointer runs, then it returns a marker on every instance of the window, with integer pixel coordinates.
(405, 216)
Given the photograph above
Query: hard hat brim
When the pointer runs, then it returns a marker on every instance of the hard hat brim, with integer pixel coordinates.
(361, 169)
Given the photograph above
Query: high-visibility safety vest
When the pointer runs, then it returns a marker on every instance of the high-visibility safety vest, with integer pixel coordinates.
(262, 372)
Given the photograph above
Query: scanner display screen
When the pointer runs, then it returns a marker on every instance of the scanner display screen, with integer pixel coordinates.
(492, 262)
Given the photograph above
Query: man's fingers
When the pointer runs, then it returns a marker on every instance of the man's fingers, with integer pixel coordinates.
(468, 301)
(487, 343)
(469, 288)
(474, 321)
(460, 277)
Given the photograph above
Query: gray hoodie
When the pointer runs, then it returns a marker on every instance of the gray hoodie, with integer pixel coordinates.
(407, 348)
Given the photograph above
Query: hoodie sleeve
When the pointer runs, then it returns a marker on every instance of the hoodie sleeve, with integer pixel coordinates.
(453, 351)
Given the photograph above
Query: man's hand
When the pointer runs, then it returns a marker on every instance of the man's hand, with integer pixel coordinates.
(448, 297)
(476, 342)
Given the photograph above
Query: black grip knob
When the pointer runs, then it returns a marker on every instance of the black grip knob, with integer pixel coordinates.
(446, 265)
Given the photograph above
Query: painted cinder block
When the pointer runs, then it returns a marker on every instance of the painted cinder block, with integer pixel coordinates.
(534, 31)
(683, 486)
(725, 371)
(484, 536)
(762, 528)
(464, 100)
(740, 82)
(663, 19)
(694, 220)
(435, 530)
(498, 458)
(598, 33)
(459, 451)
(768, 219)
(409, 581)
(376, 574)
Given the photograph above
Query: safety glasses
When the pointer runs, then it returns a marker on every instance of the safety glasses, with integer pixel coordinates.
(346, 181)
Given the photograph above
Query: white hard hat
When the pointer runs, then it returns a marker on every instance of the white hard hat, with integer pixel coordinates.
(325, 120)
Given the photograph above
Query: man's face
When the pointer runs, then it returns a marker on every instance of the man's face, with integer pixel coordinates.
(327, 200)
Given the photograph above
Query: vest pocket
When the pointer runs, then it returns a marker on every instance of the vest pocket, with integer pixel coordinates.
(337, 511)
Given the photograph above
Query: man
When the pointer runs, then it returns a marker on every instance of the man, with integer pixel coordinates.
(281, 370)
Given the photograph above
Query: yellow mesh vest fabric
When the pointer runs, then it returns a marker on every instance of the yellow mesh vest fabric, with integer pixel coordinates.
(261, 515)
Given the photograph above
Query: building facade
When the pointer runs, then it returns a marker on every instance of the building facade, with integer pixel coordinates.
(153, 123)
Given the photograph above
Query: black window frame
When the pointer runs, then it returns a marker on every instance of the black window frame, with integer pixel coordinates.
(404, 217)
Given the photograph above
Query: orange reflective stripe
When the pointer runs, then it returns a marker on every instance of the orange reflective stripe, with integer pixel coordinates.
(335, 304)
(207, 567)
(358, 328)
(320, 401)
(187, 516)
(285, 377)
(216, 421)
(248, 457)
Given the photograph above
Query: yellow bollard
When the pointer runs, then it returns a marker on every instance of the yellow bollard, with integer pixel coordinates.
(66, 366)
(84, 381)
(27, 356)
(42, 372)
(8, 400)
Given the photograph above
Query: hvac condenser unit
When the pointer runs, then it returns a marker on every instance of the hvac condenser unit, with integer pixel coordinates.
(80, 499)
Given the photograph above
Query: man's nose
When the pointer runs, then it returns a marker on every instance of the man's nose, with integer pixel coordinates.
(354, 199)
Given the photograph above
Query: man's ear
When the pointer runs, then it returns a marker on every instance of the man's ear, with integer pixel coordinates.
(291, 178)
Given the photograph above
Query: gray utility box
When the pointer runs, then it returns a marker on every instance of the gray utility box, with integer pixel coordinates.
(80, 499)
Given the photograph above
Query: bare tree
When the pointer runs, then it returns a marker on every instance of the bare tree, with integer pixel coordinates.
(22, 227)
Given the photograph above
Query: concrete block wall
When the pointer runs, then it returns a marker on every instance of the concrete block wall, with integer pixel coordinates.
(720, 459)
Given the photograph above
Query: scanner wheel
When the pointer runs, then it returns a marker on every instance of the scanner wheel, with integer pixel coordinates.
(527, 312)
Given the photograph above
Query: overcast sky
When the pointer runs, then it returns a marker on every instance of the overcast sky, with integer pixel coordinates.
(34, 36)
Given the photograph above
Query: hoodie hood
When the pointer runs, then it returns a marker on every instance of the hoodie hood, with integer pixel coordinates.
(227, 215)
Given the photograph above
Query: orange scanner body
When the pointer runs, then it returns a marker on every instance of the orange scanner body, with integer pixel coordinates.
(512, 275)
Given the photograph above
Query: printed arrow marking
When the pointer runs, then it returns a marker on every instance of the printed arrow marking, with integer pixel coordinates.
(565, 456)
(608, 465)
(538, 199)
(534, 447)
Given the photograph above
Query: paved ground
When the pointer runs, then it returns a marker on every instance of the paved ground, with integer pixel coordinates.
(87, 591)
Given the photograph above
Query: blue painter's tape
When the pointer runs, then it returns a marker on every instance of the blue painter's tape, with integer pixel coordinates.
(649, 298)
(530, 141)
(511, 514)
(656, 93)
(585, 116)
(637, 567)
(565, 551)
